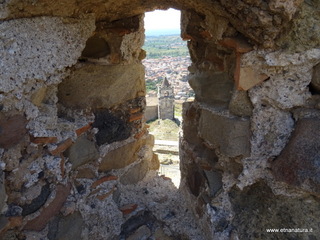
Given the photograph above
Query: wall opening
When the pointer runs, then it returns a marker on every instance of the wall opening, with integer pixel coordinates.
(167, 61)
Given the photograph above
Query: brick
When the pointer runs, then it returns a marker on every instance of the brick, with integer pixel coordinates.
(165, 178)
(83, 129)
(135, 117)
(62, 147)
(135, 110)
(102, 197)
(127, 209)
(10, 223)
(12, 130)
(43, 140)
(140, 134)
(206, 34)
(238, 44)
(102, 180)
(39, 223)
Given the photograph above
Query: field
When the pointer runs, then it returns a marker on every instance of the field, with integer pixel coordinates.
(159, 46)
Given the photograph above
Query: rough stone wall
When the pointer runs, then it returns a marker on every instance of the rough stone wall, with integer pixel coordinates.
(75, 152)
(72, 128)
(249, 151)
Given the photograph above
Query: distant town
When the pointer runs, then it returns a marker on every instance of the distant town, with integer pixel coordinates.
(167, 56)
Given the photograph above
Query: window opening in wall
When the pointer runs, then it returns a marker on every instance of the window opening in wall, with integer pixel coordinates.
(166, 65)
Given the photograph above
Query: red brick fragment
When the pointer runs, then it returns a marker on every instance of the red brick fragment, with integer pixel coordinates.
(127, 209)
(238, 44)
(39, 223)
(83, 129)
(12, 130)
(136, 116)
(62, 147)
(135, 110)
(186, 37)
(102, 180)
(140, 134)
(12, 222)
(165, 178)
(120, 31)
(206, 34)
(105, 195)
(43, 140)
(206, 166)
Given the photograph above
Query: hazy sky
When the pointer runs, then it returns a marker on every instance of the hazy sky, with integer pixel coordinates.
(158, 19)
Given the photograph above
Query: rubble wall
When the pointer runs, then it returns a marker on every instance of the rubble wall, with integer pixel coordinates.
(76, 156)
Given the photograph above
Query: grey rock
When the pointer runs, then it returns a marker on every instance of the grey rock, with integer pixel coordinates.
(38, 202)
(3, 194)
(240, 104)
(315, 81)
(212, 88)
(257, 208)
(142, 233)
(214, 179)
(3, 221)
(229, 134)
(301, 113)
(135, 173)
(82, 152)
(69, 227)
(299, 162)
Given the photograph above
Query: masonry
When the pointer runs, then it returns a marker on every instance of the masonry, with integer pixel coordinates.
(76, 156)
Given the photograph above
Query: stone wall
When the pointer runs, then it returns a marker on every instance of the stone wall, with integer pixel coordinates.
(75, 151)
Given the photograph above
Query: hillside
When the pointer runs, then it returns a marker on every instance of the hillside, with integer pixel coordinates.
(170, 45)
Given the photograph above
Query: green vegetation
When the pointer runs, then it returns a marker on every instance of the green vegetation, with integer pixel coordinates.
(159, 46)
(151, 85)
(177, 110)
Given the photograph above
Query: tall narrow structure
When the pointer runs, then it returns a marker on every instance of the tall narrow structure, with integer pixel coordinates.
(166, 100)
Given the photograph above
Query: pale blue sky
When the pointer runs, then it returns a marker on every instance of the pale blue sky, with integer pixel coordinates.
(159, 19)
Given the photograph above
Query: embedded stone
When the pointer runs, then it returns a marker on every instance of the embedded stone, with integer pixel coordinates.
(214, 179)
(38, 96)
(315, 81)
(135, 173)
(39, 223)
(107, 85)
(82, 152)
(231, 135)
(212, 88)
(136, 221)
(66, 228)
(111, 127)
(255, 207)
(37, 202)
(12, 130)
(298, 163)
(3, 194)
(240, 45)
(248, 78)
(240, 104)
(123, 156)
(142, 233)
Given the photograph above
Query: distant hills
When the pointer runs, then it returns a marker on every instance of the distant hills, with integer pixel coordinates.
(170, 45)
(162, 32)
